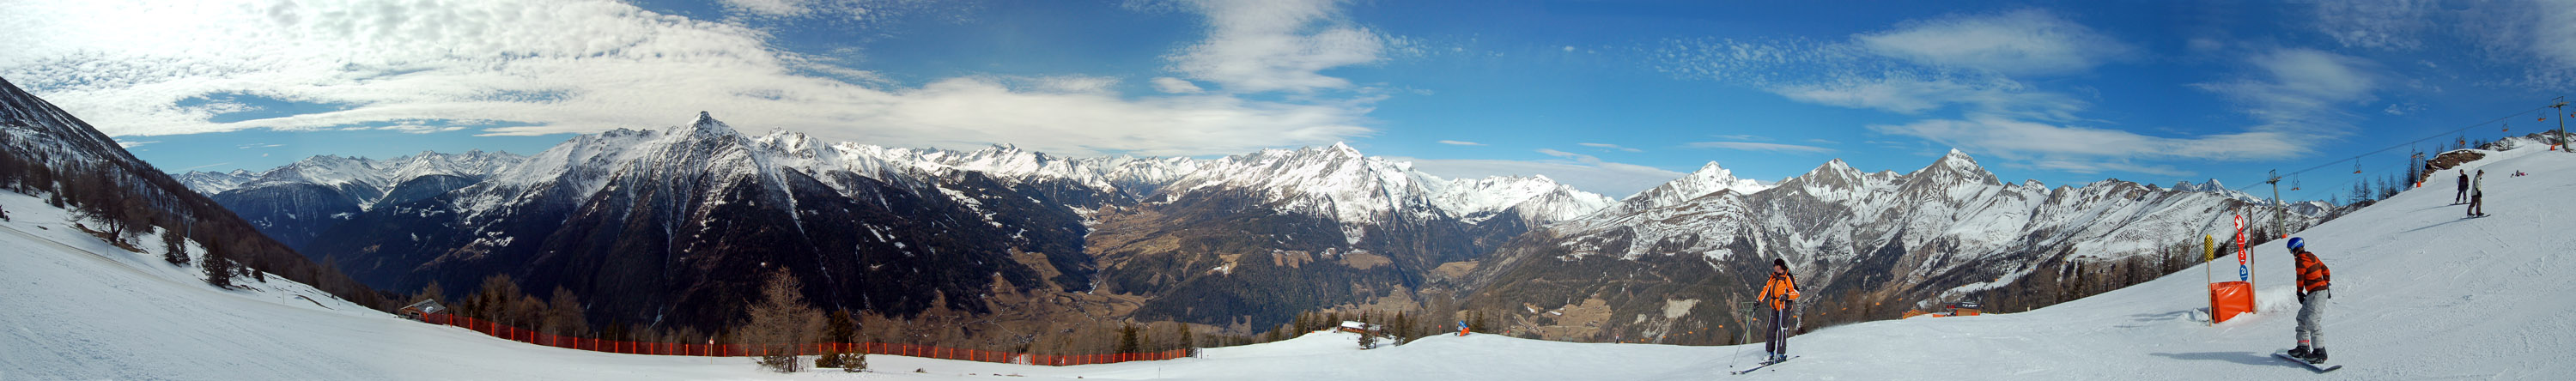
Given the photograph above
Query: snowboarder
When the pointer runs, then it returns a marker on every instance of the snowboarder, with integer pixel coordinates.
(2313, 279)
(1779, 292)
(2478, 195)
(2462, 197)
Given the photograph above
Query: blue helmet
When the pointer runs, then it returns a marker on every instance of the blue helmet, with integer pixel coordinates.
(2297, 244)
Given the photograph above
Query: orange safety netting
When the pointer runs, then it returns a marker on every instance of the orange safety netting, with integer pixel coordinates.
(679, 349)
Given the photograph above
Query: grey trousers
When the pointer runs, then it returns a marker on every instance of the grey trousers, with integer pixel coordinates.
(1779, 332)
(2312, 332)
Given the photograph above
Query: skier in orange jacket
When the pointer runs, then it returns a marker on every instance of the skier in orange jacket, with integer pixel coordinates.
(2313, 279)
(1780, 292)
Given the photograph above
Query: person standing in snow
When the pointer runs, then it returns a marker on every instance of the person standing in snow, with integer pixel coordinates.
(2478, 195)
(1779, 292)
(2462, 197)
(2313, 278)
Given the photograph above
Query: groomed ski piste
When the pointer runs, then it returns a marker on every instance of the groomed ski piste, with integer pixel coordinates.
(2420, 293)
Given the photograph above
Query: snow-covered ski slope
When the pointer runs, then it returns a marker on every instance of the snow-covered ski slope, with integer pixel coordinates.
(2420, 294)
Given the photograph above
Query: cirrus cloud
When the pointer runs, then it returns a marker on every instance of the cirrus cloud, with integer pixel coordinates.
(1763, 147)
(2021, 42)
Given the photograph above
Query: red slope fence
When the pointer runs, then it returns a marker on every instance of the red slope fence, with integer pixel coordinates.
(729, 350)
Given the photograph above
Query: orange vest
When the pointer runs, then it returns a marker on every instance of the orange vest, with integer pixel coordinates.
(1780, 290)
(2313, 275)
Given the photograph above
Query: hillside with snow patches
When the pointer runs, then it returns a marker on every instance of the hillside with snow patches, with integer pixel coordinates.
(2420, 293)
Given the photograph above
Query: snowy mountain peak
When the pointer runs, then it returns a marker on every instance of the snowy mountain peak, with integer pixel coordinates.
(2213, 187)
(1835, 167)
(1712, 169)
(1710, 178)
(1956, 166)
(215, 182)
(1834, 176)
(1957, 160)
(2187, 186)
(1335, 152)
(708, 126)
(1538, 199)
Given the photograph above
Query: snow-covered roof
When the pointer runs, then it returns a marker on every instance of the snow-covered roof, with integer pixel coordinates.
(426, 306)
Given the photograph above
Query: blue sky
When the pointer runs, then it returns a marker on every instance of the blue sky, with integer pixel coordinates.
(1610, 96)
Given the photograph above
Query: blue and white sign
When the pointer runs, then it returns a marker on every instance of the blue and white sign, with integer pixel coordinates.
(2244, 274)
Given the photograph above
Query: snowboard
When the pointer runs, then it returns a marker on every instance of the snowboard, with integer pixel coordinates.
(2285, 355)
(1764, 365)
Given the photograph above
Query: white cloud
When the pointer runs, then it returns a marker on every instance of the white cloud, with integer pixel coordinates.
(1275, 45)
(2556, 21)
(2374, 24)
(122, 143)
(2524, 35)
(1175, 86)
(768, 7)
(2294, 95)
(1766, 147)
(1581, 171)
(1460, 143)
(1908, 94)
(590, 65)
(2024, 42)
(2024, 140)
(419, 127)
(773, 13)
(1609, 147)
(1958, 72)
(2531, 34)
(2403, 108)
(1921, 66)
(2301, 89)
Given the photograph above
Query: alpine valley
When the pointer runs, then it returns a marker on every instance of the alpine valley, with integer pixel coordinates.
(673, 227)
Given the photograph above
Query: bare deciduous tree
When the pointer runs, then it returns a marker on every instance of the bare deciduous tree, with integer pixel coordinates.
(780, 321)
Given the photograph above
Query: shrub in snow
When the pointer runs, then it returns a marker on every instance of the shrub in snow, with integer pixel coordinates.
(848, 362)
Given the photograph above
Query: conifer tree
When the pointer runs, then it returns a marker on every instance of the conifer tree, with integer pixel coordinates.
(219, 270)
(1127, 340)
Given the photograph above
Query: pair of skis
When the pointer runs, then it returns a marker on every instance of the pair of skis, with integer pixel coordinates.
(1765, 364)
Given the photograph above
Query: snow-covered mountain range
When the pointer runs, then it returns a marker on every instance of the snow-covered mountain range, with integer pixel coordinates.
(1185, 232)
(297, 202)
(548, 218)
(1946, 232)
